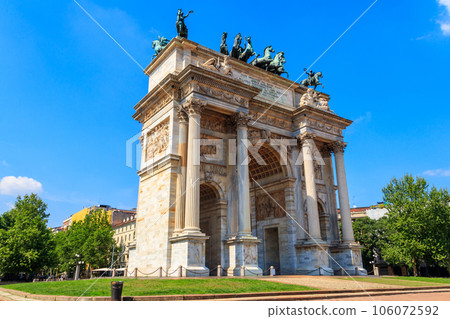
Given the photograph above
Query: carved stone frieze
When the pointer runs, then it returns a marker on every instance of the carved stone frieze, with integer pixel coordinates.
(268, 207)
(214, 124)
(157, 141)
(322, 126)
(270, 120)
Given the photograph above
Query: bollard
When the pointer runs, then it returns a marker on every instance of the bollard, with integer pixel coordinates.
(135, 272)
(160, 272)
(116, 290)
(125, 274)
(114, 272)
(180, 271)
(272, 271)
(219, 271)
(243, 271)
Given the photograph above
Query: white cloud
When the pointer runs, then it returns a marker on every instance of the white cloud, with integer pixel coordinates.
(445, 22)
(5, 163)
(445, 28)
(437, 172)
(446, 4)
(11, 185)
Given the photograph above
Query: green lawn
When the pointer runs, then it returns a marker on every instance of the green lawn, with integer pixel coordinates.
(148, 287)
(404, 281)
(423, 279)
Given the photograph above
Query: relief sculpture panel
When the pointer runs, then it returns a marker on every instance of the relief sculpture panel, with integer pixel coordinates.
(157, 141)
(267, 207)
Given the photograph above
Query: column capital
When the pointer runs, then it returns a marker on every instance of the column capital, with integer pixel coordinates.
(306, 136)
(194, 106)
(241, 119)
(338, 147)
(326, 150)
(182, 115)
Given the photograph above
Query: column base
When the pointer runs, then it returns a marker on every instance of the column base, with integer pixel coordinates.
(188, 251)
(313, 259)
(243, 256)
(348, 260)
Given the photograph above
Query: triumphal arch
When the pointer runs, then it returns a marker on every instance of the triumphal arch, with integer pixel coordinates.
(237, 172)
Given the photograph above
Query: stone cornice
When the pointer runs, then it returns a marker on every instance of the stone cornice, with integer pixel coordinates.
(312, 111)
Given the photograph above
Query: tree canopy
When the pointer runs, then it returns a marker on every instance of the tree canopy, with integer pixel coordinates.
(90, 240)
(418, 223)
(26, 243)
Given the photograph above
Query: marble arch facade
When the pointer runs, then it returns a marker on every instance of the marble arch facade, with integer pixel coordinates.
(198, 208)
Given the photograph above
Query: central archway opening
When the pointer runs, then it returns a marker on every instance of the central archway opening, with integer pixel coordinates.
(268, 201)
(210, 225)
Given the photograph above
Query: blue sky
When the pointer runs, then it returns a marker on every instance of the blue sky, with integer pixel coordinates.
(67, 91)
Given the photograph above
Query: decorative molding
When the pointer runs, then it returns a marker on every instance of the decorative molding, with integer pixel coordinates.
(265, 118)
(210, 169)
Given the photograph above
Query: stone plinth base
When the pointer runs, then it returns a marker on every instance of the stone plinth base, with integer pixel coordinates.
(313, 259)
(188, 251)
(347, 260)
(243, 256)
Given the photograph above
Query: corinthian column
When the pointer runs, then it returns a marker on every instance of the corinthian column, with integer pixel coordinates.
(243, 185)
(308, 146)
(181, 177)
(344, 204)
(193, 107)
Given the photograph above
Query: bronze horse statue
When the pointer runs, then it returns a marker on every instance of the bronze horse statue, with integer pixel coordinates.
(277, 65)
(248, 52)
(265, 60)
(313, 79)
(158, 45)
(236, 51)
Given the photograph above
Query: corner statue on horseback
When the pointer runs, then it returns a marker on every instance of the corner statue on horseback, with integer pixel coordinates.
(182, 30)
(313, 79)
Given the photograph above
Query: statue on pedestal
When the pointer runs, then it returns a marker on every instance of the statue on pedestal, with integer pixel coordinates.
(182, 30)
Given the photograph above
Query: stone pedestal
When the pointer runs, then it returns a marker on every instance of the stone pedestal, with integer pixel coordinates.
(347, 256)
(188, 251)
(313, 259)
(243, 251)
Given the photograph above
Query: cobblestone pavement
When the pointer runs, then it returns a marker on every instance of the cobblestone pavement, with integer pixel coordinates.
(326, 282)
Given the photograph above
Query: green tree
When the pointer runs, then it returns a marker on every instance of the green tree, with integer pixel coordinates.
(371, 235)
(26, 243)
(90, 240)
(418, 223)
